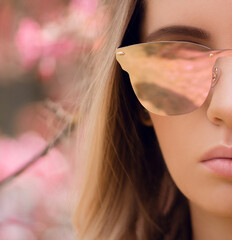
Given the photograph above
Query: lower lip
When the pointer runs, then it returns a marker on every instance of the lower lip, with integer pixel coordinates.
(220, 166)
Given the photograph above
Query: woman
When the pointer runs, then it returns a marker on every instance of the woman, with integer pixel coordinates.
(174, 182)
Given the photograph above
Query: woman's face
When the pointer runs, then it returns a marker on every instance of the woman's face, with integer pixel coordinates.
(187, 140)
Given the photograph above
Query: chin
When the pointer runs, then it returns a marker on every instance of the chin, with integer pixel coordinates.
(220, 206)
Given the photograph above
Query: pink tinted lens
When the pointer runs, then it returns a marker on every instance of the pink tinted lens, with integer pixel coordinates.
(168, 78)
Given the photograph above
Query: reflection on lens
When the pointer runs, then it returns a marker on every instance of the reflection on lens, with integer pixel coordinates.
(161, 100)
(169, 78)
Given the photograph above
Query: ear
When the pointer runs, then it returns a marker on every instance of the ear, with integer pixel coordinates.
(145, 117)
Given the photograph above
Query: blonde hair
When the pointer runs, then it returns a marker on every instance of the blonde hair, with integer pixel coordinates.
(127, 192)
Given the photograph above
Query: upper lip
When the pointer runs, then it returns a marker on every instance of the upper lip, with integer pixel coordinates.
(218, 152)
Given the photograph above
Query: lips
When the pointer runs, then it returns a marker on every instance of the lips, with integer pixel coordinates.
(219, 161)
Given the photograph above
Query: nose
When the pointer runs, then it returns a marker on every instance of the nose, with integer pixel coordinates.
(219, 101)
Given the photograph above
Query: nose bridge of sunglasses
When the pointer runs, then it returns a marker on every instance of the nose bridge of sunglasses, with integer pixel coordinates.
(218, 54)
(222, 63)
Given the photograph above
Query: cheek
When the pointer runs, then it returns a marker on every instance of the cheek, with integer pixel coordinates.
(176, 140)
(183, 139)
(174, 135)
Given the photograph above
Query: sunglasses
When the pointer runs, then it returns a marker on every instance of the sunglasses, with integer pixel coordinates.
(171, 77)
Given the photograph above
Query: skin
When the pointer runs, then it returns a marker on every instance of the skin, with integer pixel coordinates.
(184, 139)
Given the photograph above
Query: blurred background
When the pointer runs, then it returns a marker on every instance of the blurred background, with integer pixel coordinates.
(41, 46)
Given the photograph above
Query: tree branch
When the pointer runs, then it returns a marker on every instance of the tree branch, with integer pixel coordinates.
(69, 127)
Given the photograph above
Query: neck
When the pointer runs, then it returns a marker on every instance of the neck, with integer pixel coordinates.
(206, 225)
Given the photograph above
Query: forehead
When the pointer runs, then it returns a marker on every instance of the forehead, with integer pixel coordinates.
(215, 16)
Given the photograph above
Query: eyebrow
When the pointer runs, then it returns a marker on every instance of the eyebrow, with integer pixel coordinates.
(179, 30)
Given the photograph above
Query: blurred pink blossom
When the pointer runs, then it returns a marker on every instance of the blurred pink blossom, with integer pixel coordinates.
(16, 152)
(29, 41)
(61, 39)
(35, 201)
(87, 6)
(16, 232)
(35, 43)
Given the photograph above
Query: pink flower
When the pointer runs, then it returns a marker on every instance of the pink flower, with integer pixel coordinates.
(16, 231)
(60, 39)
(87, 6)
(29, 41)
(41, 44)
(16, 152)
(35, 201)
